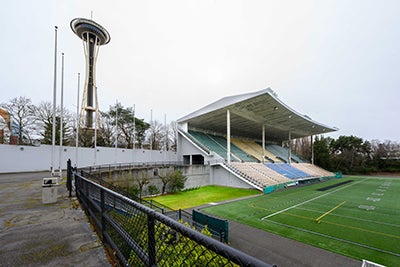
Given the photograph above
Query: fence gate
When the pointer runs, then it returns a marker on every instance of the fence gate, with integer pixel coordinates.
(215, 225)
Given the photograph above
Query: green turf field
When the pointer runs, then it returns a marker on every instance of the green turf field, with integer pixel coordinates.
(201, 196)
(359, 219)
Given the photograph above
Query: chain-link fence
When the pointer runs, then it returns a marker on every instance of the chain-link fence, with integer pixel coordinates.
(141, 236)
(96, 174)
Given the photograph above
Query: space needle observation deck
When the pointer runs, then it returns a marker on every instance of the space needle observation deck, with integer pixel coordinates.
(93, 36)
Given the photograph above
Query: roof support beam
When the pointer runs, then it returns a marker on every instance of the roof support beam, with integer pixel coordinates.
(290, 148)
(263, 143)
(228, 136)
(312, 149)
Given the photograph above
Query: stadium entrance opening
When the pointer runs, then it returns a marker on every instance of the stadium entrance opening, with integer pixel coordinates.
(193, 159)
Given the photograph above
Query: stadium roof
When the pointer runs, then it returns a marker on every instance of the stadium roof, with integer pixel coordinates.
(248, 112)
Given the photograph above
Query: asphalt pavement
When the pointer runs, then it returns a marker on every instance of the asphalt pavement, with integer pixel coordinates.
(37, 234)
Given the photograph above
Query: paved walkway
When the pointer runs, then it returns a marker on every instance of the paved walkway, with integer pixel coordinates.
(36, 234)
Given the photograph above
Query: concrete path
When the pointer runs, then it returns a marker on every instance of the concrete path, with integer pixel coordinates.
(36, 234)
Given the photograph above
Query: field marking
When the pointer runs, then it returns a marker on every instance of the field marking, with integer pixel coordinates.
(365, 207)
(356, 218)
(336, 238)
(344, 226)
(364, 230)
(374, 199)
(318, 220)
(294, 206)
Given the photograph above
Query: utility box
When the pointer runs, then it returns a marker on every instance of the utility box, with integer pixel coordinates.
(49, 190)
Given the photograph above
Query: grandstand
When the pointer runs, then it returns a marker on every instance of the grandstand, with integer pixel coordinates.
(240, 138)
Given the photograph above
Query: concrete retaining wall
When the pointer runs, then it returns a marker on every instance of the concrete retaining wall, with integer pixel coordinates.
(16, 158)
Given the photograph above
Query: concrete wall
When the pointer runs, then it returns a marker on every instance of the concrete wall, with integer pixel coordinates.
(187, 147)
(15, 158)
(220, 176)
(198, 175)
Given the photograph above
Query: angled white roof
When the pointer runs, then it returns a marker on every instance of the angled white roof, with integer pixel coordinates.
(248, 112)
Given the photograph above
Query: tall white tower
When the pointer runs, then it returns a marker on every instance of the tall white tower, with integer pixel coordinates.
(93, 36)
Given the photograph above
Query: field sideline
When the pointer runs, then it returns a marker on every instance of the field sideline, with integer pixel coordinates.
(359, 218)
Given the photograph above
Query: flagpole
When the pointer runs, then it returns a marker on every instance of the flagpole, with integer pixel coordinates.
(61, 117)
(116, 129)
(133, 134)
(95, 133)
(53, 139)
(77, 124)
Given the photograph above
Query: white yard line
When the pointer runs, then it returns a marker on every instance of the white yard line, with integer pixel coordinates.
(294, 206)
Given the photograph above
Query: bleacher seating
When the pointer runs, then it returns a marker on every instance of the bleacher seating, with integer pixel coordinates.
(205, 148)
(287, 170)
(247, 146)
(210, 143)
(246, 153)
(218, 144)
(278, 151)
(236, 151)
(283, 153)
(260, 173)
(255, 150)
(313, 170)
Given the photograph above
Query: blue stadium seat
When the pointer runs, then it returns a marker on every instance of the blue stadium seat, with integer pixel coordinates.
(287, 170)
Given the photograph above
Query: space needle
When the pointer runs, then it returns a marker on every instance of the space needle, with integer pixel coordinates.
(93, 36)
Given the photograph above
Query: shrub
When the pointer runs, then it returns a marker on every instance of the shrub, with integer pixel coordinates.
(152, 189)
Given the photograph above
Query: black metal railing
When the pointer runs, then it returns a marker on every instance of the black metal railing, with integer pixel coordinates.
(130, 166)
(95, 174)
(141, 236)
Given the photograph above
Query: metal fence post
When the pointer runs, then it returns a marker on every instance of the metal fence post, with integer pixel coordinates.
(103, 221)
(151, 240)
(69, 177)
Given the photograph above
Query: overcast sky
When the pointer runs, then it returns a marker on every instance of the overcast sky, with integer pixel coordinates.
(336, 61)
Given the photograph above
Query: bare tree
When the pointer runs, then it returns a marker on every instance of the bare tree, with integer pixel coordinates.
(43, 119)
(106, 132)
(22, 123)
(302, 147)
(168, 137)
(165, 179)
(142, 180)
